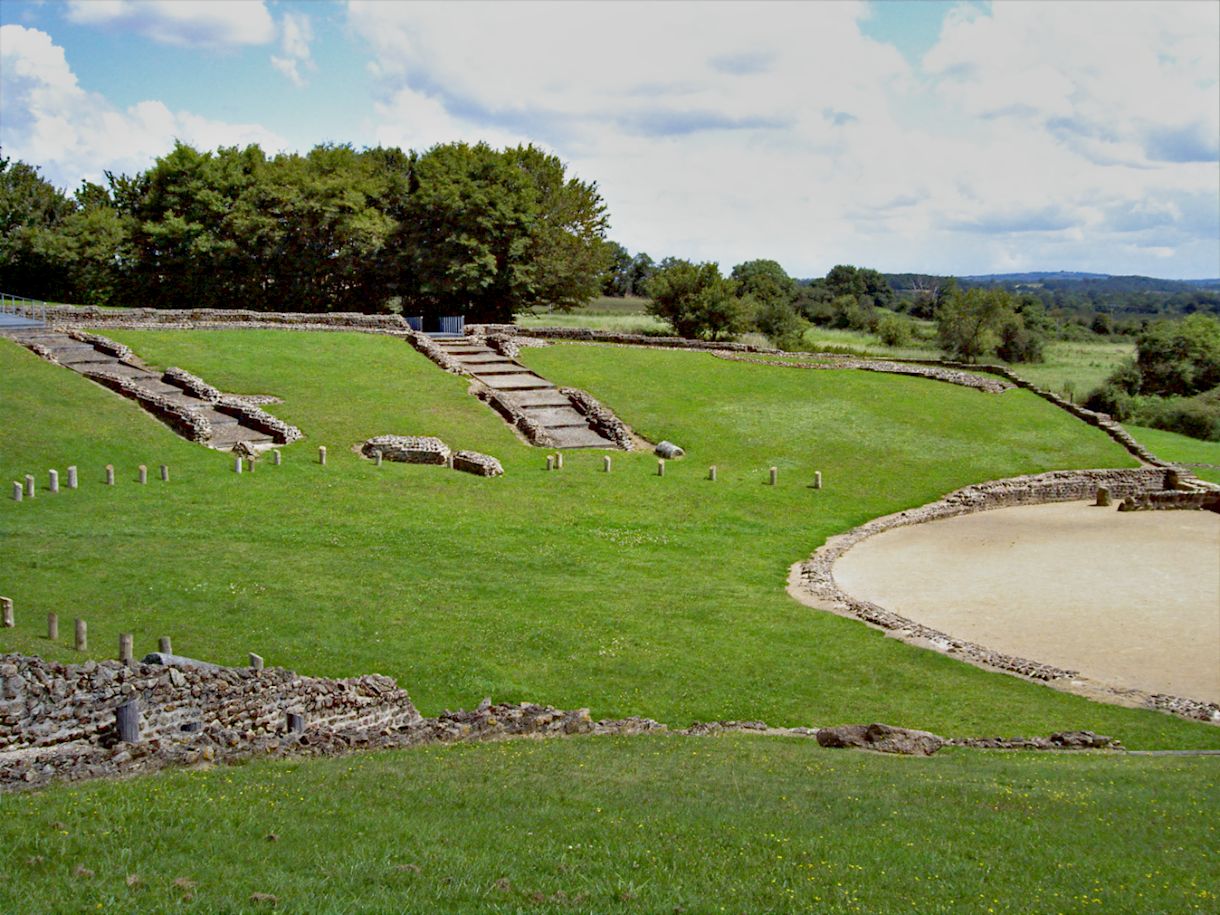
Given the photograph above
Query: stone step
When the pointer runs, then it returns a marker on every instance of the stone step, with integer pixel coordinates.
(550, 397)
(498, 368)
(488, 358)
(89, 356)
(579, 438)
(216, 418)
(516, 383)
(556, 416)
(223, 439)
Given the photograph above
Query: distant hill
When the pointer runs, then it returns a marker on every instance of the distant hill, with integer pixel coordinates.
(1035, 277)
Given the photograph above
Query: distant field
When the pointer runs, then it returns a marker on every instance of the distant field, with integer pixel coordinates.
(1075, 369)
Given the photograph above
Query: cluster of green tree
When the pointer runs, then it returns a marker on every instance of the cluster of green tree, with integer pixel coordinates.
(1087, 302)
(458, 229)
(1172, 383)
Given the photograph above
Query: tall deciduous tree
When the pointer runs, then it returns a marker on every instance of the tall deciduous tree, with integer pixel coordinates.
(969, 324)
(695, 300)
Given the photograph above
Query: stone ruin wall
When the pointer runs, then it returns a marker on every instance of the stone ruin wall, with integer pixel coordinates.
(44, 705)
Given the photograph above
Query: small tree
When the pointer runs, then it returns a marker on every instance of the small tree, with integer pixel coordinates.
(970, 324)
(695, 300)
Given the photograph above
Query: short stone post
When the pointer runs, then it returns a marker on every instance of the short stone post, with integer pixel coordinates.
(661, 467)
(250, 464)
(127, 716)
(126, 647)
(711, 473)
(559, 460)
(606, 463)
(256, 661)
(376, 458)
(449, 462)
(18, 491)
(52, 481)
(165, 473)
(322, 455)
(52, 626)
(6, 611)
(817, 479)
(82, 636)
(279, 458)
(29, 485)
(296, 722)
(774, 475)
(163, 645)
(550, 462)
(109, 474)
(143, 475)
(1103, 496)
(72, 477)
(237, 464)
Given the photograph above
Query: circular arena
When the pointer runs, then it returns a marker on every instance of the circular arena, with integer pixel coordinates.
(1131, 600)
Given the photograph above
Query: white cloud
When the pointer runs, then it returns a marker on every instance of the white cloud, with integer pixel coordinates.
(296, 34)
(50, 121)
(188, 23)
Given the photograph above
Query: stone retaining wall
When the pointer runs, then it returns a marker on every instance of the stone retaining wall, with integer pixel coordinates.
(44, 704)
(70, 316)
(185, 420)
(504, 332)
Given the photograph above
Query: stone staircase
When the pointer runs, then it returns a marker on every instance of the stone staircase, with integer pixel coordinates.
(525, 391)
(226, 430)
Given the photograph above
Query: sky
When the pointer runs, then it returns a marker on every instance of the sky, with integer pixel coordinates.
(960, 138)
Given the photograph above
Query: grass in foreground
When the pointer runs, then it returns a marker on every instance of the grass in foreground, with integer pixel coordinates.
(650, 824)
(623, 592)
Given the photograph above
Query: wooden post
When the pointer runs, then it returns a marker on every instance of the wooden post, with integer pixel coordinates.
(143, 475)
(817, 479)
(550, 462)
(774, 475)
(82, 636)
(6, 611)
(711, 473)
(127, 716)
(256, 661)
(163, 645)
(109, 474)
(279, 458)
(18, 491)
(165, 473)
(72, 477)
(53, 481)
(52, 626)
(126, 647)
(322, 455)
(661, 467)
(29, 485)
(237, 464)
(606, 463)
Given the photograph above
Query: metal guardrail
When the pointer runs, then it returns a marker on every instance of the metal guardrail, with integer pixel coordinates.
(21, 307)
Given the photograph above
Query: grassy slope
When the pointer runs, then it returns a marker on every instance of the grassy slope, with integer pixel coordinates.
(653, 824)
(624, 592)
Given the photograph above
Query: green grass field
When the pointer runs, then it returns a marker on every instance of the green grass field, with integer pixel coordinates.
(626, 593)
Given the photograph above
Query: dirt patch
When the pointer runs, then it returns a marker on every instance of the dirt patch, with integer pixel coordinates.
(1131, 600)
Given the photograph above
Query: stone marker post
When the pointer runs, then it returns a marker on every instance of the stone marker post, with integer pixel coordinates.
(127, 717)
(165, 473)
(661, 467)
(126, 647)
(278, 458)
(774, 475)
(256, 661)
(711, 473)
(1103, 496)
(143, 475)
(82, 636)
(163, 645)
(817, 479)
(606, 463)
(52, 481)
(52, 626)
(18, 491)
(72, 477)
(29, 485)
(559, 460)
(237, 464)
(6, 611)
(109, 474)
(376, 457)
(550, 462)
(322, 455)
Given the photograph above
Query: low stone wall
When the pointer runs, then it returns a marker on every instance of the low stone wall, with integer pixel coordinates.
(1147, 485)
(601, 420)
(1173, 499)
(68, 317)
(504, 404)
(192, 384)
(407, 449)
(935, 372)
(188, 423)
(44, 704)
(256, 418)
(428, 347)
(483, 465)
(504, 333)
(103, 344)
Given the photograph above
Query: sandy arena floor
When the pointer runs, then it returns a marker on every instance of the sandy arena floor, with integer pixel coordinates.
(1129, 599)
